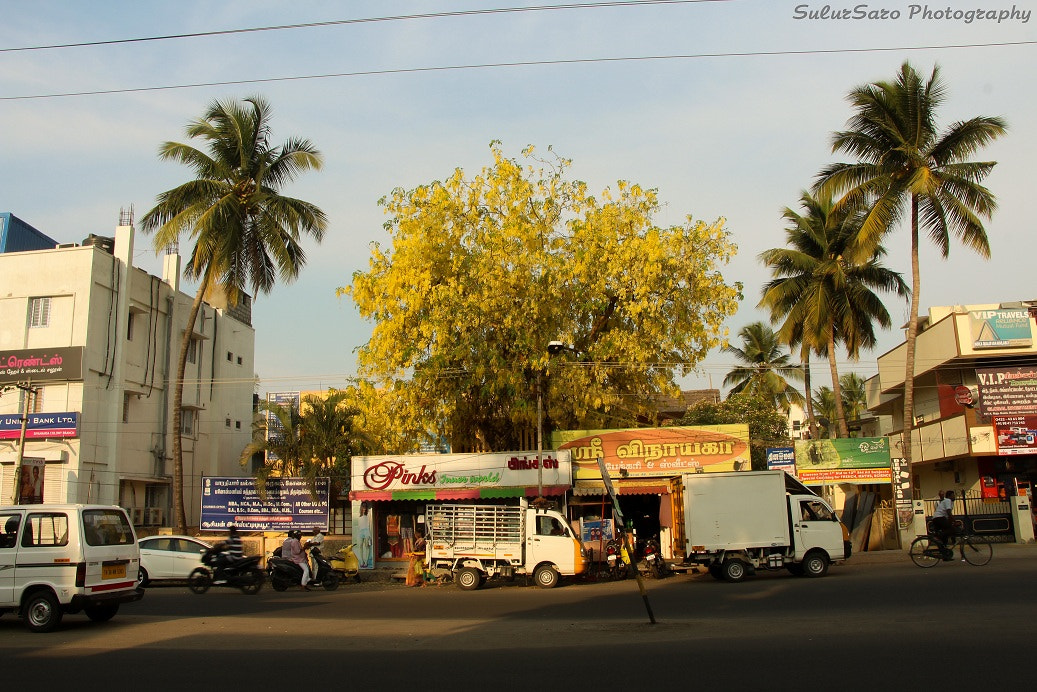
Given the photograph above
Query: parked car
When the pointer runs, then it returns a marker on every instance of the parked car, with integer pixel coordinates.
(169, 557)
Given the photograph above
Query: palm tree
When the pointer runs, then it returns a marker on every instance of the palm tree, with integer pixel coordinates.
(763, 370)
(824, 287)
(906, 164)
(855, 399)
(825, 406)
(245, 233)
(278, 436)
(330, 434)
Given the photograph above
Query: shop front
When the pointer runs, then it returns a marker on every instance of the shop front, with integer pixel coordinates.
(390, 492)
(645, 465)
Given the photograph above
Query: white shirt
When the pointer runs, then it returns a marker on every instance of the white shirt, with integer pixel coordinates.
(944, 508)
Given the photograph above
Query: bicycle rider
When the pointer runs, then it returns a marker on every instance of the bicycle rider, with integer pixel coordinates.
(943, 523)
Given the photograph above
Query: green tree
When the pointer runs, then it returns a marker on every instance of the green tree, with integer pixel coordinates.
(824, 286)
(331, 436)
(854, 396)
(907, 165)
(768, 425)
(824, 405)
(246, 234)
(483, 272)
(763, 370)
(278, 437)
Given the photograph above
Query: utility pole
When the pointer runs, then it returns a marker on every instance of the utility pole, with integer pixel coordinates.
(29, 392)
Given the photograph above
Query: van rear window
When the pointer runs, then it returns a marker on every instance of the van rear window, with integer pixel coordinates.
(106, 527)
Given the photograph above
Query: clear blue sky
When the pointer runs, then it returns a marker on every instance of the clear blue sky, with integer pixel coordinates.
(732, 120)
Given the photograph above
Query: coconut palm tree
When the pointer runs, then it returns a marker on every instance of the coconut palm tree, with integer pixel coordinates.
(763, 369)
(907, 165)
(277, 435)
(855, 399)
(330, 434)
(824, 286)
(246, 234)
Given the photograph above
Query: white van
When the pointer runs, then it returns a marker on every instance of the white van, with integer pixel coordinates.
(57, 559)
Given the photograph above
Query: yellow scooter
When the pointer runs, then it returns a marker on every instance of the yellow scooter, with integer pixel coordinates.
(346, 563)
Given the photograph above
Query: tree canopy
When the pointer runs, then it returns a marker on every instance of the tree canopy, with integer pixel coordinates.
(483, 272)
(768, 425)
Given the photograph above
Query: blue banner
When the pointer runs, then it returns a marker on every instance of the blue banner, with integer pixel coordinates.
(288, 504)
(781, 457)
(40, 425)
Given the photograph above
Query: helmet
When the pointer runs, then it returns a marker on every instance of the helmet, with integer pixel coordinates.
(232, 528)
(316, 530)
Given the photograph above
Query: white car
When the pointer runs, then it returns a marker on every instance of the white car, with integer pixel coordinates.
(169, 557)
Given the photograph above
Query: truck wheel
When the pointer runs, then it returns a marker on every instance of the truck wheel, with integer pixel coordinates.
(815, 564)
(468, 579)
(546, 577)
(795, 568)
(101, 613)
(42, 612)
(734, 570)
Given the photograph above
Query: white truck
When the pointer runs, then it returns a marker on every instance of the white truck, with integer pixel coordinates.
(738, 522)
(480, 542)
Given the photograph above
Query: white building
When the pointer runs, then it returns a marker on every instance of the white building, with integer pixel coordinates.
(88, 302)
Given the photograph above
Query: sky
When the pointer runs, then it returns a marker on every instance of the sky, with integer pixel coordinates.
(726, 107)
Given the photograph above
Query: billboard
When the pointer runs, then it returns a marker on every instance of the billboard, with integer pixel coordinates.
(1015, 435)
(40, 426)
(288, 504)
(41, 364)
(859, 460)
(783, 458)
(1007, 391)
(1000, 328)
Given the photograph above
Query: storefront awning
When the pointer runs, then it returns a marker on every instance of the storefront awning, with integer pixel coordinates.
(455, 493)
(643, 486)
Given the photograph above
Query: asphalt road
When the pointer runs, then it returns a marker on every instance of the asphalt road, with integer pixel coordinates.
(868, 625)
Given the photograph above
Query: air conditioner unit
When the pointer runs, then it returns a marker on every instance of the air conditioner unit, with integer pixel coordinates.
(155, 516)
(137, 516)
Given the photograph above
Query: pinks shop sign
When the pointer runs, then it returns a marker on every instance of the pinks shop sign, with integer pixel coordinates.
(440, 471)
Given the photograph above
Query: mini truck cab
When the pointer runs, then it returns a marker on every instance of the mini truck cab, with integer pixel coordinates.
(480, 542)
(63, 559)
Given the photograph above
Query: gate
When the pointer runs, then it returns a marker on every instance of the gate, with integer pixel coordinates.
(991, 519)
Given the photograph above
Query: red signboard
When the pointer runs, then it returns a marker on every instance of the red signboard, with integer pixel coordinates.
(1015, 435)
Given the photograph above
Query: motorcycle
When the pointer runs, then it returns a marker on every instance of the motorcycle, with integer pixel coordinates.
(617, 567)
(654, 564)
(243, 573)
(284, 573)
(347, 565)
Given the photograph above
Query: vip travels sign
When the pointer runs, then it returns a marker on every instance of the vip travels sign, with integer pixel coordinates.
(1000, 328)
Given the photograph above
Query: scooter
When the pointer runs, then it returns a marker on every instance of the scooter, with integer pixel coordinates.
(654, 564)
(243, 574)
(345, 562)
(284, 573)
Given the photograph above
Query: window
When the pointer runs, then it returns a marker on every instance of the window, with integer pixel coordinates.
(126, 407)
(9, 528)
(239, 360)
(107, 527)
(192, 351)
(237, 425)
(129, 325)
(226, 422)
(814, 510)
(50, 529)
(230, 357)
(39, 312)
(187, 421)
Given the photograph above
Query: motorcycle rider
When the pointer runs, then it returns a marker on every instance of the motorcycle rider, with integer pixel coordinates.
(294, 551)
(231, 551)
(316, 540)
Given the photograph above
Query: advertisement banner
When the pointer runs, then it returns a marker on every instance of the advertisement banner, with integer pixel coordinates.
(860, 460)
(656, 452)
(288, 504)
(1015, 435)
(783, 458)
(901, 476)
(1007, 391)
(1000, 328)
(31, 480)
(41, 364)
(40, 425)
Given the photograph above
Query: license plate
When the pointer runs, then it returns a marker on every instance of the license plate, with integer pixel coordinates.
(612, 558)
(113, 571)
(650, 556)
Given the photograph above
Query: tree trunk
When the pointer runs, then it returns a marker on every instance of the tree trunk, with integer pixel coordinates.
(912, 336)
(837, 392)
(178, 402)
(811, 423)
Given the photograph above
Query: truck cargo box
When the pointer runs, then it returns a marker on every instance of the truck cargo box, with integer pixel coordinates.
(735, 510)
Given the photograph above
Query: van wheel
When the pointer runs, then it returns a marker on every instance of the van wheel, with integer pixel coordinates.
(42, 612)
(734, 570)
(546, 577)
(815, 564)
(199, 581)
(468, 579)
(102, 613)
(142, 577)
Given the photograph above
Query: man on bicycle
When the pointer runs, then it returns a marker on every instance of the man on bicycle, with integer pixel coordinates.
(943, 522)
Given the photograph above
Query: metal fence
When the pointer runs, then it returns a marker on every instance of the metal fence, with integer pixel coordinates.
(990, 518)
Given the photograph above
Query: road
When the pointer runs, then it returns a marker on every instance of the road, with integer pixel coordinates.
(861, 627)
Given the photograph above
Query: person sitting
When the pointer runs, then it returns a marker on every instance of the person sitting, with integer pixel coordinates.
(943, 523)
(230, 552)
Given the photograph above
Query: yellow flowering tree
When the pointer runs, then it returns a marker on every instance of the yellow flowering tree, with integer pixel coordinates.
(483, 272)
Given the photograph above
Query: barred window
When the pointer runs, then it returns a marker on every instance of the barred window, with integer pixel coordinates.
(39, 312)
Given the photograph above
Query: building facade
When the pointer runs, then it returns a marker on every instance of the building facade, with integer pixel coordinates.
(100, 425)
(975, 407)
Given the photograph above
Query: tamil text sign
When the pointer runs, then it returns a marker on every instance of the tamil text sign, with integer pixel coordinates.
(1007, 391)
(289, 504)
(41, 364)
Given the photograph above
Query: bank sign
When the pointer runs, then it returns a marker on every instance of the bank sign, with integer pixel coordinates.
(289, 504)
(40, 426)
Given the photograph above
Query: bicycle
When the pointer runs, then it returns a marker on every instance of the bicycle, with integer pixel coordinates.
(928, 551)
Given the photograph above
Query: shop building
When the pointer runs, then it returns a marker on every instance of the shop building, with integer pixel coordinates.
(974, 427)
(389, 493)
(89, 346)
(644, 466)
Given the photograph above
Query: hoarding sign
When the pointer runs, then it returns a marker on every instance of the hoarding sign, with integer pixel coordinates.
(1007, 391)
(1000, 328)
(1015, 435)
(901, 476)
(41, 364)
(40, 425)
(843, 460)
(288, 504)
(783, 458)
